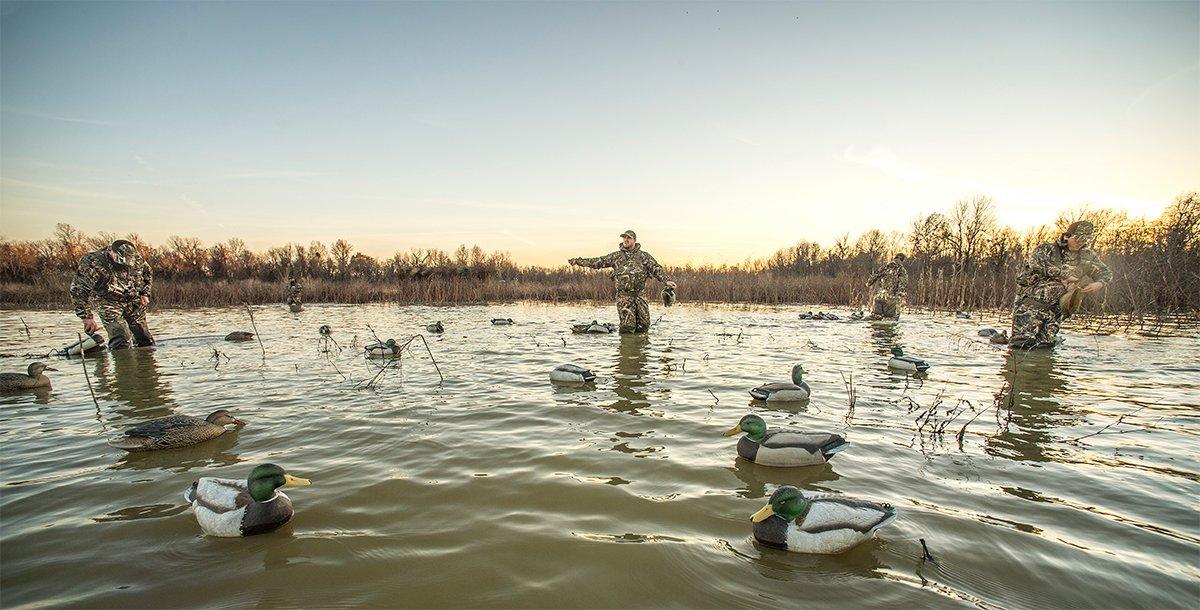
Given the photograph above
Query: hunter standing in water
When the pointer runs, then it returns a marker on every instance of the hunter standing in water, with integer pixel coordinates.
(117, 279)
(630, 267)
(1052, 272)
(893, 283)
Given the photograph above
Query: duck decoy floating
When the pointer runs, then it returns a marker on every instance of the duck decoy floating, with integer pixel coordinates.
(239, 335)
(818, 523)
(595, 328)
(901, 362)
(784, 447)
(32, 378)
(88, 344)
(502, 321)
(232, 508)
(176, 431)
(573, 374)
(436, 327)
(782, 391)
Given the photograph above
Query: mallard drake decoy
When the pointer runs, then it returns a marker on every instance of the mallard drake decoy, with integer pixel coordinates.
(31, 379)
(818, 523)
(986, 332)
(858, 315)
(1000, 338)
(832, 316)
(783, 447)
(668, 296)
(324, 330)
(595, 328)
(901, 362)
(962, 315)
(176, 431)
(570, 373)
(295, 307)
(502, 321)
(387, 349)
(89, 344)
(239, 335)
(435, 327)
(230, 508)
(782, 391)
(807, 316)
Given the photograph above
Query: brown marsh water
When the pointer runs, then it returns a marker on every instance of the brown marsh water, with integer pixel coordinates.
(496, 488)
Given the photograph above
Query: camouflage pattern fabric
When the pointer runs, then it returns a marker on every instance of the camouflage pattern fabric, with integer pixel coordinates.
(293, 296)
(630, 270)
(125, 324)
(115, 290)
(885, 306)
(1037, 313)
(99, 278)
(893, 282)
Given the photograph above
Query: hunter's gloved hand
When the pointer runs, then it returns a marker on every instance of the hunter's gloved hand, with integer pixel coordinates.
(90, 326)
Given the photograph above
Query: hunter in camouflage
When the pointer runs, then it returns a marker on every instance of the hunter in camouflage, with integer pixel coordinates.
(630, 267)
(293, 292)
(117, 280)
(893, 281)
(1049, 273)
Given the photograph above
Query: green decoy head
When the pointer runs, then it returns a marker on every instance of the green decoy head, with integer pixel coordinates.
(752, 425)
(266, 478)
(221, 417)
(787, 502)
(897, 352)
(36, 369)
(798, 374)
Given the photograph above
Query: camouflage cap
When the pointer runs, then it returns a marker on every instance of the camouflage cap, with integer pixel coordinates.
(630, 233)
(1081, 229)
(123, 252)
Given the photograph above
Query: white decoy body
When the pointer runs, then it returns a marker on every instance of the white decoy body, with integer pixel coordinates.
(901, 362)
(797, 390)
(230, 508)
(818, 523)
(572, 374)
(784, 447)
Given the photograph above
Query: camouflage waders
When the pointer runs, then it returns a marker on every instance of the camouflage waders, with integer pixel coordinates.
(634, 312)
(885, 306)
(125, 324)
(893, 281)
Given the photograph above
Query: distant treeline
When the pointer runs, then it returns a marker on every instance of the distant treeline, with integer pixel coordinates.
(963, 259)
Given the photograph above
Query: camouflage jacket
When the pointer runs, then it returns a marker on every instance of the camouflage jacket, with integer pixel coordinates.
(99, 277)
(630, 268)
(892, 279)
(1049, 264)
(293, 293)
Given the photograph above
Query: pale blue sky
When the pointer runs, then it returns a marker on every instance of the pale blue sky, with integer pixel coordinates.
(718, 131)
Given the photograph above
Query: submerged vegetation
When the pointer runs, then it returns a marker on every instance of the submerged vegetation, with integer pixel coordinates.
(962, 259)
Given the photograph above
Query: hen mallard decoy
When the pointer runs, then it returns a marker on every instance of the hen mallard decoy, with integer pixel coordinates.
(570, 373)
(176, 431)
(807, 316)
(230, 508)
(783, 391)
(783, 447)
(31, 379)
(436, 327)
(1000, 338)
(901, 362)
(986, 332)
(818, 523)
(239, 335)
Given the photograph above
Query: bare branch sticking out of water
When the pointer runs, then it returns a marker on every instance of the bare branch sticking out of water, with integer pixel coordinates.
(925, 555)
(256, 333)
(717, 400)
(27, 334)
(851, 395)
(564, 340)
(86, 377)
(1116, 422)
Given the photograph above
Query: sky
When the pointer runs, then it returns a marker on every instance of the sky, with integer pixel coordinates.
(719, 132)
